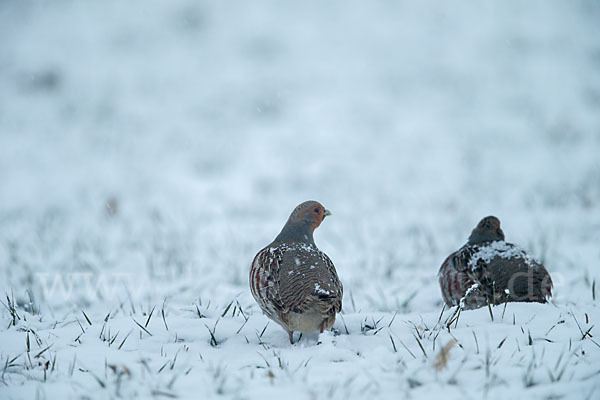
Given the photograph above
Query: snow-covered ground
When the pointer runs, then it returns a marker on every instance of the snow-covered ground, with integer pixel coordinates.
(148, 150)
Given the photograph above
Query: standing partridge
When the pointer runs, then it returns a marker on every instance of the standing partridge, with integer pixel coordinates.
(294, 283)
(488, 270)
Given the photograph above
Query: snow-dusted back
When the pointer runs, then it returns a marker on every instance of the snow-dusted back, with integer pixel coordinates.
(149, 149)
(501, 249)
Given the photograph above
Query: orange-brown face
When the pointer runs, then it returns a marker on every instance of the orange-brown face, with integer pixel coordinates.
(311, 212)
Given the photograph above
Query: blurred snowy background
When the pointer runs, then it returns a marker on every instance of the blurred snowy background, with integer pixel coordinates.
(149, 149)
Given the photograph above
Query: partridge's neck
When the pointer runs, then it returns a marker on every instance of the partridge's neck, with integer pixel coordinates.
(482, 237)
(297, 232)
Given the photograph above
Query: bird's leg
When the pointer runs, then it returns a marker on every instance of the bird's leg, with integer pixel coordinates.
(291, 335)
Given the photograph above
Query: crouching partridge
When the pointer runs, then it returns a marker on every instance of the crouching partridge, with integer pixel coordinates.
(488, 270)
(294, 283)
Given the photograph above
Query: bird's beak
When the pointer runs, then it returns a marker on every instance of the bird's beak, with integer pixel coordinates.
(326, 213)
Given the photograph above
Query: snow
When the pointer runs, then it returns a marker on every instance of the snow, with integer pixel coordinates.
(500, 249)
(149, 150)
(467, 293)
(319, 289)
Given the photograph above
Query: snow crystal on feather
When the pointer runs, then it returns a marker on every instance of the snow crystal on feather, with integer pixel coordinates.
(307, 247)
(500, 249)
(467, 293)
(319, 289)
(470, 289)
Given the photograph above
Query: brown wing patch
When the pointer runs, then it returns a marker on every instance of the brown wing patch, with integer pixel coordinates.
(455, 276)
(336, 283)
(265, 282)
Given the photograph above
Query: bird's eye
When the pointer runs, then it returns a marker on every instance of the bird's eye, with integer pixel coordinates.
(317, 210)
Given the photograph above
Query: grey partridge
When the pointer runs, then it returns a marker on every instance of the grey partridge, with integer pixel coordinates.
(294, 283)
(488, 270)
